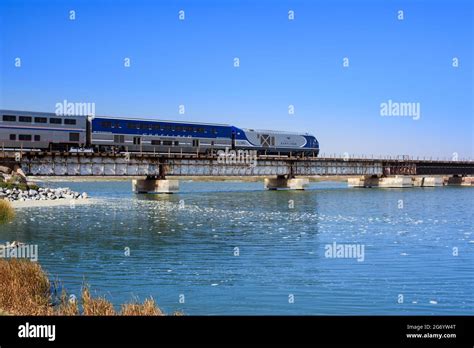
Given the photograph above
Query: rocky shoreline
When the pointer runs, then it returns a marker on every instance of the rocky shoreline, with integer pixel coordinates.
(14, 187)
(40, 194)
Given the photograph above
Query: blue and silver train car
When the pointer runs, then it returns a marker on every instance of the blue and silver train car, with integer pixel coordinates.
(120, 134)
(41, 130)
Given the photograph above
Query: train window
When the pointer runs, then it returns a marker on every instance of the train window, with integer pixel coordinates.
(176, 143)
(9, 118)
(41, 120)
(12, 136)
(137, 140)
(130, 126)
(105, 124)
(119, 139)
(179, 128)
(24, 137)
(195, 142)
(69, 121)
(37, 138)
(25, 119)
(55, 120)
(212, 143)
(73, 136)
(167, 142)
(156, 142)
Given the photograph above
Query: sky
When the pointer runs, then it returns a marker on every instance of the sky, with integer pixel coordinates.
(284, 63)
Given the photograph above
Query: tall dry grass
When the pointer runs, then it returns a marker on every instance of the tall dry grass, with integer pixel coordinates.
(95, 306)
(147, 308)
(25, 290)
(7, 213)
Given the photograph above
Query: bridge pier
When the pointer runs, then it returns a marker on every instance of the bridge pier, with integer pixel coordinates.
(399, 181)
(281, 182)
(428, 181)
(149, 185)
(460, 181)
(402, 181)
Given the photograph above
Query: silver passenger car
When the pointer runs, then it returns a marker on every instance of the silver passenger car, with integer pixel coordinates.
(41, 130)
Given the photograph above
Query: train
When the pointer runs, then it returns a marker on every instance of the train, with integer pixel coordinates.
(35, 131)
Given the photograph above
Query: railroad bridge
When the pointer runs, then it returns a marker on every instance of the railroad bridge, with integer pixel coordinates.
(280, 171)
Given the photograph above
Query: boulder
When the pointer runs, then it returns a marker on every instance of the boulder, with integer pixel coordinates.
(17, 169)
(5, 170)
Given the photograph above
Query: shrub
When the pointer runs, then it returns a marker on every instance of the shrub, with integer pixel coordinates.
(26, 290)
(95, 306)
(7, 213)
(147, 308)
(23, 187)
(33, 187)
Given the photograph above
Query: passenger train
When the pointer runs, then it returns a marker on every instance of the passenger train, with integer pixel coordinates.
(47, 131)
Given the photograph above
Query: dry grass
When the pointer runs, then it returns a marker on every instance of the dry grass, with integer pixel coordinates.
(95, 306)
(67, 307)
(7, 213)
(25, 290)
(147, 308)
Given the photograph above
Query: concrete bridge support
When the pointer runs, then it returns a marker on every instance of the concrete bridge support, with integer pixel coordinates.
(428, 181)
(398, 181)
(460, 181)
(281, 182)
(401, 181)
(155, 186)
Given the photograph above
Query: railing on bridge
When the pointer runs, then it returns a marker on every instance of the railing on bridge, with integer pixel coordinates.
(160, 165)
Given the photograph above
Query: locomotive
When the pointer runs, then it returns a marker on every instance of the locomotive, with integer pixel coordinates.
(29, 130)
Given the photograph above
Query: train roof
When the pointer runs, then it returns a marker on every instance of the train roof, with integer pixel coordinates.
(33, 113)
(159, 120)
(151, 120)
(273, 131)
(112, 117)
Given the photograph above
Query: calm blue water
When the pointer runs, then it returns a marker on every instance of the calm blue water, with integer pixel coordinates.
(190, 250)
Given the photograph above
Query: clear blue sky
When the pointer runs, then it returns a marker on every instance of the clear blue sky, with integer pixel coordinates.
(283, 62)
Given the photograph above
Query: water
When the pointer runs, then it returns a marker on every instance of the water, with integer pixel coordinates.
(408, 237)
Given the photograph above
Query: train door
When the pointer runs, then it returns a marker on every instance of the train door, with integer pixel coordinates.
(233, 140)
(267, 140)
